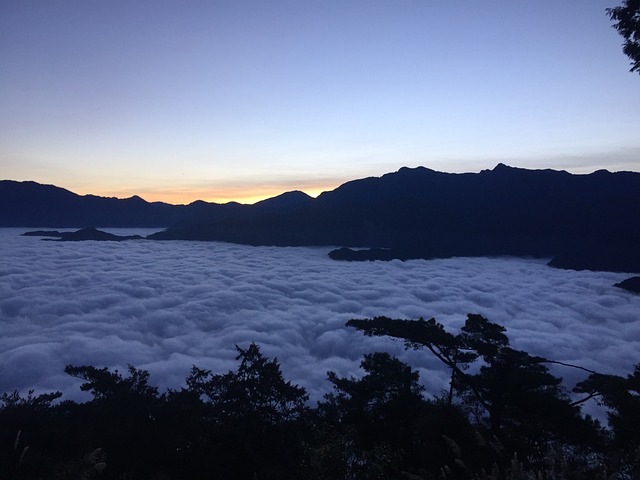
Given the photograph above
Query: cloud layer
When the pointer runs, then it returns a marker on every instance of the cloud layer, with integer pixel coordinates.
(165, 306)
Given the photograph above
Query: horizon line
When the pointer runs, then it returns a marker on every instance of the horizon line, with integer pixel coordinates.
(241, 195)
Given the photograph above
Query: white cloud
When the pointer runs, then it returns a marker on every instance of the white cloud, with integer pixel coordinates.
(164, 306)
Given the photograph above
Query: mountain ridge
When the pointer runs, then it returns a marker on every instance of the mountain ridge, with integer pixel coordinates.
(411, 213)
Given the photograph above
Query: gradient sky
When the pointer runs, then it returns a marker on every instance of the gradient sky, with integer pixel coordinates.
(246, 99)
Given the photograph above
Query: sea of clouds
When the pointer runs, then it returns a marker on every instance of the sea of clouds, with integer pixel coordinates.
(165, 306)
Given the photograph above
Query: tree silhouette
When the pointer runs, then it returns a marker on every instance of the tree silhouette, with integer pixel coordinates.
(257, 389)
(122, 416)
(106, 385)
(622, 397)
(455, 351)
(511, 386)
(26, 448)
(250, 423)
(253, 417)
(375, 419)
(382, 404)
(627, 18)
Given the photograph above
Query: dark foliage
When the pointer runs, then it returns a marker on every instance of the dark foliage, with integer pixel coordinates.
(26, 448)
(510, 392)
(253, 418)
(622, 398)
(627, 18)
(382, 406)
(122, 415)
(257, 390)
(510, 418)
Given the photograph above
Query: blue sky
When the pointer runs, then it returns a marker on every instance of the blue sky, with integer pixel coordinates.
(245, 99)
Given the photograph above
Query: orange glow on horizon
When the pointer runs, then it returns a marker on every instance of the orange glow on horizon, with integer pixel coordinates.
(185, 196)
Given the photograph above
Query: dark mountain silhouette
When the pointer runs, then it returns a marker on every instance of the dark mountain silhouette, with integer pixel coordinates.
(587, 221)
(288, 201)
(421, 213)
(30, 204)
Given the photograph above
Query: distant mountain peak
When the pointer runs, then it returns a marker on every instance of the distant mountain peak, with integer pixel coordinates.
(502, 167)
(294, 197)
(136, 199)
(199, 203)
(414, 169)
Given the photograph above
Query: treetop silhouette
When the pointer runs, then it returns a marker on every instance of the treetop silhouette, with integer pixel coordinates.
(627, 18)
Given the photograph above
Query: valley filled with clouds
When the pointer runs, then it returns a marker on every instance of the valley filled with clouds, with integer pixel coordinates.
(165, 306)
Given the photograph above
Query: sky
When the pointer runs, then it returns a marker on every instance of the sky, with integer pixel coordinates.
(165, 306)
(245, 99)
